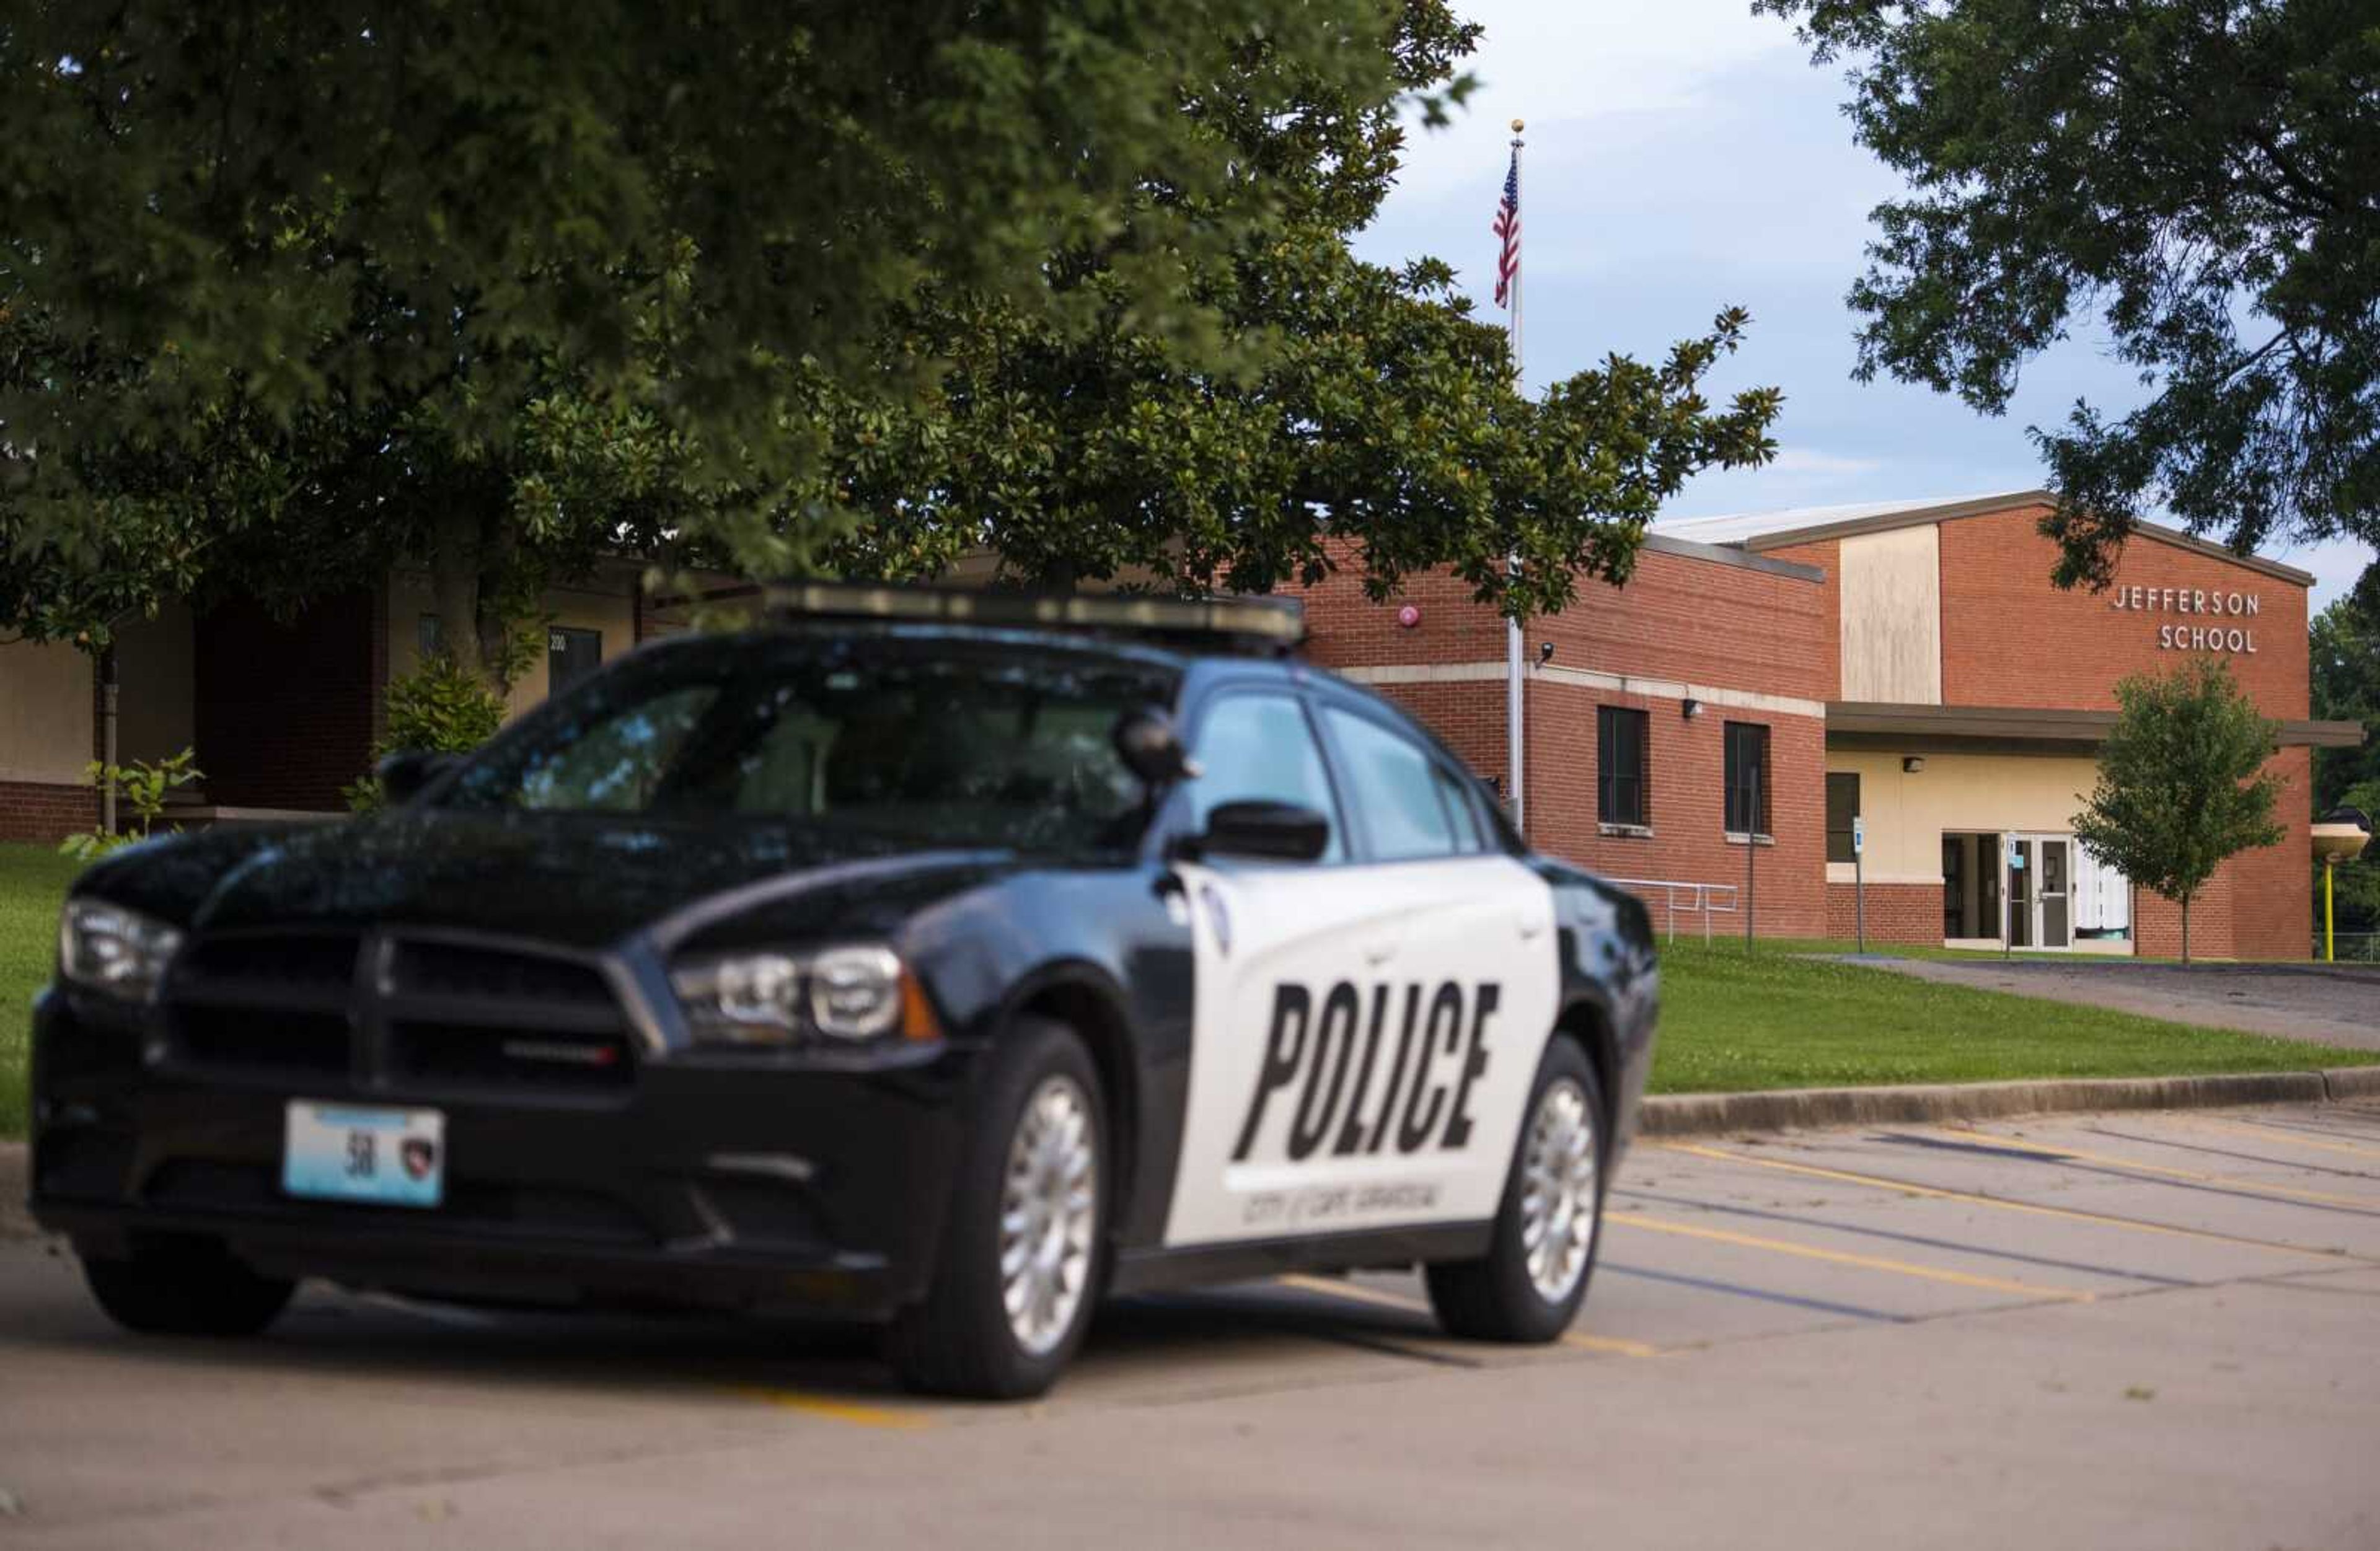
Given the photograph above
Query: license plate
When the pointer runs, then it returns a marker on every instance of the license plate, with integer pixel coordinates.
(348, 1152)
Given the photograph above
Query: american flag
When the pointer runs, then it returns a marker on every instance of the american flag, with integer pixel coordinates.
(1508, 229)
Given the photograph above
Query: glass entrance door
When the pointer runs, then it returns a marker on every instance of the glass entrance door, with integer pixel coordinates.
(2053, 894)
(2019, 892)
(2040, 871)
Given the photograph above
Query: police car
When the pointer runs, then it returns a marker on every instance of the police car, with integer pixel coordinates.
(942, 960)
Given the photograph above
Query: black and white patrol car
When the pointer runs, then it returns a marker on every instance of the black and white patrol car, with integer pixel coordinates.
(928, 958)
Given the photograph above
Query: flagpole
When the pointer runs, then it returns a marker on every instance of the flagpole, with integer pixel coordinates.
(1516, 752)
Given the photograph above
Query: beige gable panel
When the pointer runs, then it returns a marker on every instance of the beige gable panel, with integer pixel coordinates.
(45, 710)
(1892, 616)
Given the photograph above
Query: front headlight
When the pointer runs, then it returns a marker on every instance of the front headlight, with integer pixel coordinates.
(116, 952)
(851, 993)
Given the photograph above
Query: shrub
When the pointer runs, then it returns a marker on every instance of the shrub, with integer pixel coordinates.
(439, 708)
(141, 788)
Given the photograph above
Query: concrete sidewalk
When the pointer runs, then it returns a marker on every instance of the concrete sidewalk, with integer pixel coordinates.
(2337, 1005)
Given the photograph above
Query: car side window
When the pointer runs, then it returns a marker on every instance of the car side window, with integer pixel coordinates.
(1394, 783)
(1468, 835)
(1259, 748)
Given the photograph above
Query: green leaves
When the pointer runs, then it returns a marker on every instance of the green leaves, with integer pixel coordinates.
(440, 707)
(2181, 781)
(295, 294)
(553, 186)
(2195, 175)
(142, 787)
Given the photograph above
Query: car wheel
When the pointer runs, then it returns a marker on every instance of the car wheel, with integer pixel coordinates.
(185, 1294)
(1529, 1285)
(1020, 1264)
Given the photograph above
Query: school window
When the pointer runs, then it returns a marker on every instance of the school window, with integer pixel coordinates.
(1843, 807)
(1747, 778)
(1620, 760)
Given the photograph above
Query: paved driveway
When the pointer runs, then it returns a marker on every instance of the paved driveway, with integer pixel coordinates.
(2159, 1331)
(2338, 1006)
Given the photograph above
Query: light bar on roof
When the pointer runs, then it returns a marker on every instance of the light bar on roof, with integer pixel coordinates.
(1277, 621)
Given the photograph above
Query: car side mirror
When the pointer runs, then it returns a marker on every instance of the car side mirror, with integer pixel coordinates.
(1150, 748)
(1266, 831)
(405, 774)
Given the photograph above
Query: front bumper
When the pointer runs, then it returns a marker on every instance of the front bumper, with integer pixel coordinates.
(755, 1185)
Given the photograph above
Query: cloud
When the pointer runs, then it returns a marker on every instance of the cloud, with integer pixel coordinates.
(1683, 155)
(1564, 66)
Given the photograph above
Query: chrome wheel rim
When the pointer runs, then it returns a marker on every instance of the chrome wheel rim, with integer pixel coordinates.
(1558, 1190)
(1049, 1209)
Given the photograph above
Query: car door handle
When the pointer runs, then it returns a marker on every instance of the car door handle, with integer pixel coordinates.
(1379, 952)
(1532, 927)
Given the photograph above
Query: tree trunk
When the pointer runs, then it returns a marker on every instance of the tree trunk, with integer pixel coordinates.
(455, 587)
(469, 551)
(2185, 929)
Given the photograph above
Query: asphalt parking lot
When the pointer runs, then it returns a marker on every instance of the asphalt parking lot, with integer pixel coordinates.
(2134, 1331)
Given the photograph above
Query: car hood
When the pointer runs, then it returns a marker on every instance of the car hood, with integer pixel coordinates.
(575, 879)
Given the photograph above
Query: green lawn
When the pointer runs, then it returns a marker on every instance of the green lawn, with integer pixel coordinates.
(1779, 1019)
(32, 880)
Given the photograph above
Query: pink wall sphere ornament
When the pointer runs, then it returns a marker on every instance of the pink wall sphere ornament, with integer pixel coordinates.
(1409, 617)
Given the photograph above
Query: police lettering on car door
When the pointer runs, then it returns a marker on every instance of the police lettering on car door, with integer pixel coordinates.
(1349, 1100)
(1385, 1072)
(1362, 1045)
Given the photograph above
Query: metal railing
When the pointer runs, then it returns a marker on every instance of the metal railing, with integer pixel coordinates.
(2354, 948)
(1705, 899)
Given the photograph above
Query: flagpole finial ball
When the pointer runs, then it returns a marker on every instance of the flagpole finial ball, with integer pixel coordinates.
(1518, 125)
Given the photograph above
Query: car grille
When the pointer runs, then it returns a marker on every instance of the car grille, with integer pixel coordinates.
(428, 1015)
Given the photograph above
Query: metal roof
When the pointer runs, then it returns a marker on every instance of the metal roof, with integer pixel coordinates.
(1740, 527)
(1769, 530)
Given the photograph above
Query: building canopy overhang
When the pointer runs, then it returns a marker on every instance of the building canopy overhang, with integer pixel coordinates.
(1917, 728)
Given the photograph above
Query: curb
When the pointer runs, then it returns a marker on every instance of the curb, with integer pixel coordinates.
(1705, 1114)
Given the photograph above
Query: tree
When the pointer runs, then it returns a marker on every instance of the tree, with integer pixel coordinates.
(2345, 640)
(1382, 415)
(352, 244)
(1082, 426)
(2196, 176)
(2344, 648)
(2181, 783)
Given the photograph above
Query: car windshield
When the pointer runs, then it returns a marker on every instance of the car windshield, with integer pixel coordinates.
(987, 745)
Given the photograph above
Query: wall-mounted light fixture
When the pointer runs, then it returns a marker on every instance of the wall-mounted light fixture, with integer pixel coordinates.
(1545, 653)
(1693, 707)
(1911, 764)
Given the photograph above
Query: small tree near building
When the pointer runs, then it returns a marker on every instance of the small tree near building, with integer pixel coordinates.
(2181, 783)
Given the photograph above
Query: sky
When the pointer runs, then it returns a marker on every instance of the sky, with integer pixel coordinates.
(1683, 156)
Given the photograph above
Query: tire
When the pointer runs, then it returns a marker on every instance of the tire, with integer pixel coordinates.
(187, 1293)
(1498, 1297)
(963, 1341)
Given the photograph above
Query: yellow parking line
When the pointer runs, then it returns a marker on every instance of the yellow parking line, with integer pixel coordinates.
(2294, 1138)
(1936, 1193)
(1838, 1257)
(836, 1411)
(1328, 1287)
(1612, 1344)
(2229, 1181)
